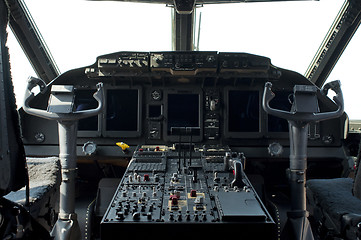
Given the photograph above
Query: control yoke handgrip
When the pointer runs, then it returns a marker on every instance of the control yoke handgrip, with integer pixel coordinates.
(99, 96)
(33, 82)
(268, 95)
(29, 96)
(336, 87)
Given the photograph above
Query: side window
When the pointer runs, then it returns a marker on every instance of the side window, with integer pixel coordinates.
(21, 68)
(347, 70)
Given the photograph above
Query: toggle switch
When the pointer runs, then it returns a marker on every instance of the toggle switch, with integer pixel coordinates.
(120, 215)
(136, 216)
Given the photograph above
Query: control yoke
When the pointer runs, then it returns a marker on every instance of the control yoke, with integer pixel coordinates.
(69, 116)
(61, 109)
(304, 110)
(268, 95)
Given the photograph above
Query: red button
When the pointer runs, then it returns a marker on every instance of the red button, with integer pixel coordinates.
(146, 177)
(174, 200)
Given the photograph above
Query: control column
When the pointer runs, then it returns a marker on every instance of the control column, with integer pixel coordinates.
(304, 111)
(60, 108)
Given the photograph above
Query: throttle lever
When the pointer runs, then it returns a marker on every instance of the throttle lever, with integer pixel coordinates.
(238, 174)
(235, 164)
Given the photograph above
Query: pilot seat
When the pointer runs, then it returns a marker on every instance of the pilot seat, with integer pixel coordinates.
(335, 205)
(44, 182)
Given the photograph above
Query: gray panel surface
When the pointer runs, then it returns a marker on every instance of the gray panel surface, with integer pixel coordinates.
(239, 206)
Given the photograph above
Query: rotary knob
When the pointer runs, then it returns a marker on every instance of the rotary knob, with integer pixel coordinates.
(156, 95)
(89, 148)
(275, 149)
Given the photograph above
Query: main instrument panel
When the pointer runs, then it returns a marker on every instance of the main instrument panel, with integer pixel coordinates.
(149, 93)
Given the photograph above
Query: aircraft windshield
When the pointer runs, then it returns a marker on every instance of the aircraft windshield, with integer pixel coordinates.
(76, 32)
(287, 32)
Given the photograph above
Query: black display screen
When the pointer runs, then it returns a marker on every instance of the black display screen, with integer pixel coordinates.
(183, 110)
(122, 110)
(243, 111)
(281, 101)
(84, 100)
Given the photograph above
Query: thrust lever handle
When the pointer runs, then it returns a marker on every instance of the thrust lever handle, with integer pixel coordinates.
(268, 95)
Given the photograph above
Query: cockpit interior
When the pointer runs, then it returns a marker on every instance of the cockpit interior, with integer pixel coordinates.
(178, 143)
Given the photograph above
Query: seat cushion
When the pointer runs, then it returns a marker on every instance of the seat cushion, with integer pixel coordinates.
(44, 183)
(44, 174)
(335, 196)
(332, 203)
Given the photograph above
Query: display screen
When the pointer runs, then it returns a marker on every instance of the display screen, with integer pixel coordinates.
(122, 111)
(84, 100)
(183, 110)
(243, 111)
(281, 101)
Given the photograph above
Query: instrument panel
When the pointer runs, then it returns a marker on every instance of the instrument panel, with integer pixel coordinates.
(180, 125)
(148, 94)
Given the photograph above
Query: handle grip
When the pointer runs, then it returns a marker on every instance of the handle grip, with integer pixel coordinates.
(99, 96)
(238, 174)
(29, 96)
(268, 95)
(338, 99)
(33, 82)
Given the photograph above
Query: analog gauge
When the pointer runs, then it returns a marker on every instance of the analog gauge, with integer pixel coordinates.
(156, 95)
